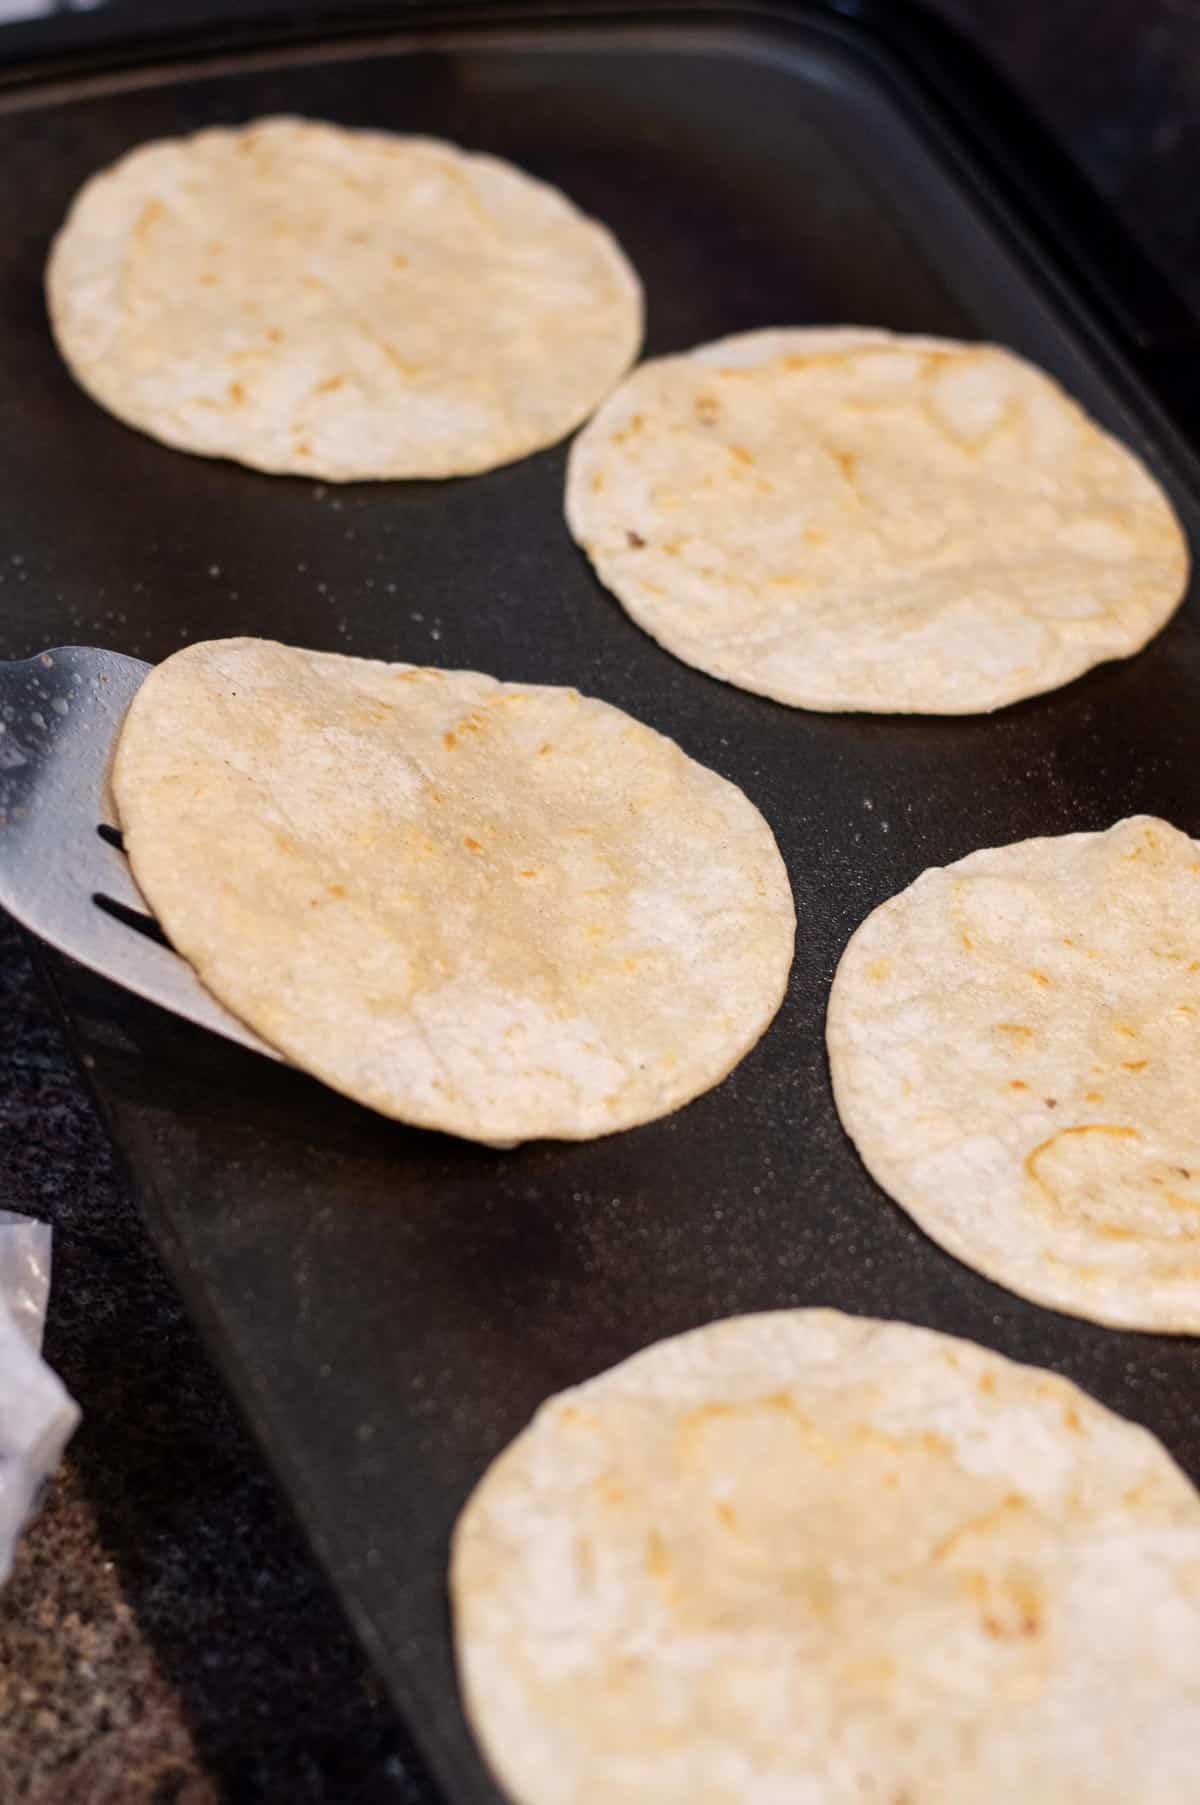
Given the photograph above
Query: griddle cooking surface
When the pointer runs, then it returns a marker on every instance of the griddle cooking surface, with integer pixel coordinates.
(390, 1306)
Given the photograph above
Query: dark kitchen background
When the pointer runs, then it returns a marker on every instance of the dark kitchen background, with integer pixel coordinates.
(165, 1636)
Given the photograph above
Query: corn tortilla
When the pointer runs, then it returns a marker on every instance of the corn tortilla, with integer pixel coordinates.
(811, 1559)
(498, 909)
(1015, 1047)
(339, 304)
(851, 519)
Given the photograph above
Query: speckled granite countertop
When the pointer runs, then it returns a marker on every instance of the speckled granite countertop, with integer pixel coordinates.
(166, 1636)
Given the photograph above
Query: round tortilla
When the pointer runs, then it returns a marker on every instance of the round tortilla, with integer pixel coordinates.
(497, 909)
(848, 519)
(811, 1559)
(339, 304)
(1015, 1050)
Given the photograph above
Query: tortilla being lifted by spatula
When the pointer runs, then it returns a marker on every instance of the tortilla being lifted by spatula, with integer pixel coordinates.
(850, 519)
(498, 909)
(342, 304)
(1015, 1049)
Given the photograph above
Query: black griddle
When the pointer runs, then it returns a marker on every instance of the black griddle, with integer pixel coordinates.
(388, 1306)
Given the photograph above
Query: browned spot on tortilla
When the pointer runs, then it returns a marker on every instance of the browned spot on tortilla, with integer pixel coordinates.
(1040, 978)
(1010, 1608)
(708, 410)
(152, 211)
(726, 1514)
(329, 385)
(741, 454)
(1017, 1030)
(1135, 1065)
(967, 943)
(1017, 1084)
(634, 540)
(847, 463)
(1071, 1419)
(982, 1526)
(779, 1400)
(1050, 1102)
(598, 482)
(1117, 1132)
(657, 1562)
(399, 262)
(814, 536)
(274, 335)
(987, 1384)
(471, 845)
(703, 1414)
(397, 362)
(302, 448)
(449, 740)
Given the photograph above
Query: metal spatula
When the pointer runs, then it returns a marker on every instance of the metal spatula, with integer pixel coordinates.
(63, 873)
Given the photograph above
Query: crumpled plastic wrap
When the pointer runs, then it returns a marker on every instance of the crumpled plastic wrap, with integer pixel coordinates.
(37, 1413)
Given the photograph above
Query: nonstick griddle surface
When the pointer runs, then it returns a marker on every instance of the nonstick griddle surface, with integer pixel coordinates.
(390, 1306)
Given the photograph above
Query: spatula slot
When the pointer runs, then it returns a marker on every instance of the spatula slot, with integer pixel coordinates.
(132, 918)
